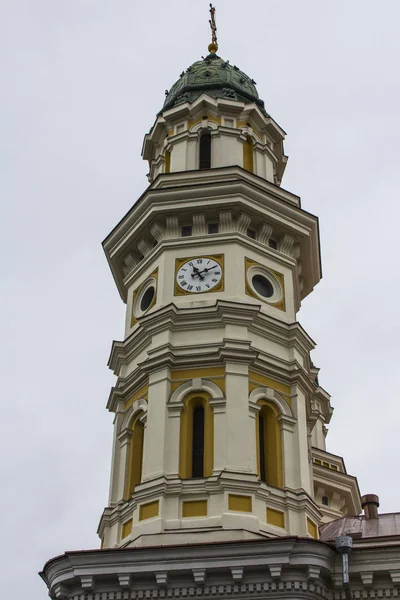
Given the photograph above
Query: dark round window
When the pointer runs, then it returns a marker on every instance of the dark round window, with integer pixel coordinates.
(263, 286)
(147, 298)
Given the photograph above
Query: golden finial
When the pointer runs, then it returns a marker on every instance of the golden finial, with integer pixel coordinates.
(213, 47)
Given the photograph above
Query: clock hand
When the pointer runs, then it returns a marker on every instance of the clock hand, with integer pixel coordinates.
(206, 270)
(197, 272)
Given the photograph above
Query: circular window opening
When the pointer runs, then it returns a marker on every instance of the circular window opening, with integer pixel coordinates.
(263, 286)
(147, 298)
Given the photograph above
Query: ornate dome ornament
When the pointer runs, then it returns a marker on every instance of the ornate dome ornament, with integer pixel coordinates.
(213, 76)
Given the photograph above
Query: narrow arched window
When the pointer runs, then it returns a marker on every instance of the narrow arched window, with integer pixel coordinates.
(198, 442)
(134, 475)
(205, 151)
(248, 161)
(269, 446)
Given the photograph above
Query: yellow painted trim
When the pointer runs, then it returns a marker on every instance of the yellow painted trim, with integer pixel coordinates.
(257, 380)
(240, 503)
(134, 470)
(149, 510)
(248, 155)
(126, 529)
(281, 305)
(186, 435)
(312, 528)
(141, 393)
(194, 508)
(276, 517)
(195, 373)
(273, 444)
(167, 161)
(219, 258)
(138, 290)
(215, 374)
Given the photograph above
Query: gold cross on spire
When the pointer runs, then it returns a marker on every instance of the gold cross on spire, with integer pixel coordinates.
(213, 47)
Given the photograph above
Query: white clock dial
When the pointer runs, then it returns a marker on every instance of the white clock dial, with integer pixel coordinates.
(199, 275)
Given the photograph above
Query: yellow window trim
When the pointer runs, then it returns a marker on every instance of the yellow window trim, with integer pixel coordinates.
(134, 470)
(186, 435)
(272, 442)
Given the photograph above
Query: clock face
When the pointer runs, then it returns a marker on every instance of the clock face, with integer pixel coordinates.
(199, 275)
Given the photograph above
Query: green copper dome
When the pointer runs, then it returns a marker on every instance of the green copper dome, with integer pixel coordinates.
(216, 78)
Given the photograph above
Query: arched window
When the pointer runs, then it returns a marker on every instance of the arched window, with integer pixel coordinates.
(205, 150)
(269, 444)
(248, 161)
(198, 442)
(134, 472)
(167, 161)
(196, 453)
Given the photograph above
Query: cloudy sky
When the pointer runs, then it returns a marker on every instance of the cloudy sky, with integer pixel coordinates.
(81, 83)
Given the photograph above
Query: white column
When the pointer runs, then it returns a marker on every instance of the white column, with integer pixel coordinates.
(172, 448)
(115, 460)
(124, 446)
(238, 423)
(301, 440)
(155, 438)
(219, 409)
(289, 455)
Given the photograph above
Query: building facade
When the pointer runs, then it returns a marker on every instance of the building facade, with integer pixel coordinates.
(221, 484)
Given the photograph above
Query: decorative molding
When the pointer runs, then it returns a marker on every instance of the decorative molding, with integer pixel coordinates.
(199, 225)
(144, 247)
(162, 578)
(226, 222)
(285, 244)
(157, 231)
(124, 580)
(367, 578)
(237, 573)
(199, 575)
(313, 572)
(195, 385)
(172, 227)
(273, 396)
(243, 223)
(264, 233)
(139, 405)
(275, 571)
(130, 262)
(87, 582)
(395, 576)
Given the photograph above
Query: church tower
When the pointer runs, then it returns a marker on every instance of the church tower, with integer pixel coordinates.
(220, 421)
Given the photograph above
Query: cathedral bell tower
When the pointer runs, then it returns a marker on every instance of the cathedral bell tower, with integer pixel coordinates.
(220, 422)
(220, 477)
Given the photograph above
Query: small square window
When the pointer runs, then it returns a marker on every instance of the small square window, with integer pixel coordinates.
(213, 227)
(251, 233)
(186, 231)
(325, 500)
(273, 244)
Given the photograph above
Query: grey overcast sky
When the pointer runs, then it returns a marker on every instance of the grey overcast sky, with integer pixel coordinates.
(81, 83)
